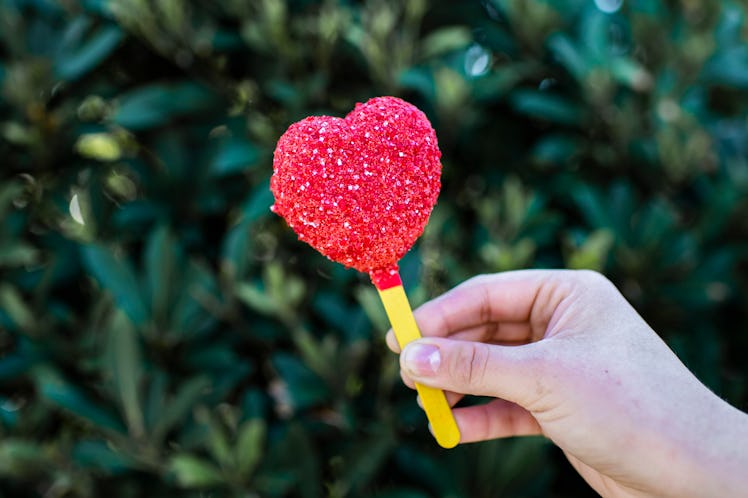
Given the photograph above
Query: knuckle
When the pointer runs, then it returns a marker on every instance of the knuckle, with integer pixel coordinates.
(590, 276)
(593, 279)
(469, 367)
(478, 279)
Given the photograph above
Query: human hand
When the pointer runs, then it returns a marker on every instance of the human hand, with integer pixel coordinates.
(566, 356)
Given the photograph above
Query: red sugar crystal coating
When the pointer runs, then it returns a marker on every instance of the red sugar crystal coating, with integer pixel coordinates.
(360, 189)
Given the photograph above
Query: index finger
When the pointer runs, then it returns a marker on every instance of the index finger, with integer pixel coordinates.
(512, 306)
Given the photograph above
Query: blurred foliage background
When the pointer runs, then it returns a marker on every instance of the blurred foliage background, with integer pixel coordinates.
(163, 334)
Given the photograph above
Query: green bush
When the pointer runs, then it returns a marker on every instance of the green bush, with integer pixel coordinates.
(163, 334)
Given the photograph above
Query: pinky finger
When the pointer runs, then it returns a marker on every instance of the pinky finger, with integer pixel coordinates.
(496, 419)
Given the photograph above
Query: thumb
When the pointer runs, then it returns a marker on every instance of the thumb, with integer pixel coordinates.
(508, 372)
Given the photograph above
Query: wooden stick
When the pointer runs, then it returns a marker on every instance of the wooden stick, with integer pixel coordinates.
(434, 401)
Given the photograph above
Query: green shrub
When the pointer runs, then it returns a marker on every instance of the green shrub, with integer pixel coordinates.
(163, 334)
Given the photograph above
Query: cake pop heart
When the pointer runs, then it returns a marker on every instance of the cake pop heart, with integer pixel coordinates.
(359, 189)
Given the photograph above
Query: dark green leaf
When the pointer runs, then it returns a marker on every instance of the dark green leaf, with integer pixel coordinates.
(293, 449)
(157, 104)
(56, 390)
(249, 446)
(22, 458)
(8, 193)
(98, 455)
(162, 269)
(218, 444)
(126, 360)
(194, 472)
(176, 409)
(728, 67)
(72, 65)
(256, 299)
(361, 465)
(235, 250)
(569, 55)
(14, 306)
(546, 106)
(18, 255)
(495, 85)
(13, 365)
(234, 156)
(8, 412)
(592, 206)
(191, 315)
(426, 468)
(257, 205)
(420, 79)
(116, 276)
(555, 150)
(303, 388)
(446, 39)
(732, 19)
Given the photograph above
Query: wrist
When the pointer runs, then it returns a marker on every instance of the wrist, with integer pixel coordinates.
(718, 454)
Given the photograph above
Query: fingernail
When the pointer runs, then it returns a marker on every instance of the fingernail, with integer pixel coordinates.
(421, 360)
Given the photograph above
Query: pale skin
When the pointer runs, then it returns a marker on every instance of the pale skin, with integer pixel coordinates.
(564, 355)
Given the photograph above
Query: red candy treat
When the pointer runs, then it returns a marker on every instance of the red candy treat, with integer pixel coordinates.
(360, 189)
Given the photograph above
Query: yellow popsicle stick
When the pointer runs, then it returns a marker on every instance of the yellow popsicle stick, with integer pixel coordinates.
(435, 404)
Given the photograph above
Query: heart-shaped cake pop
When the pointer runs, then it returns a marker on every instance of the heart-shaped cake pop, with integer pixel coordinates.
(359, 189)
